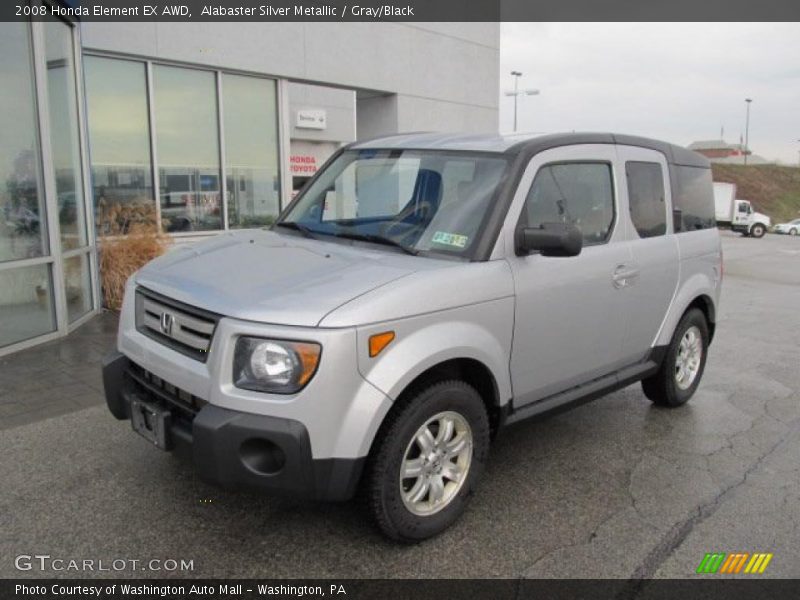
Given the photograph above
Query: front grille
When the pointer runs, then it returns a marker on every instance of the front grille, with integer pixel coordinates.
(187, 329)
(154, 388)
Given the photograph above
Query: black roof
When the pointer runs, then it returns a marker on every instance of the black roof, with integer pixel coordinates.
(528, 144)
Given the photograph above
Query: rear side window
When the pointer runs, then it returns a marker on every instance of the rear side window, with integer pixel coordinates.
(692, 198)
(577, 193)
(646, 200)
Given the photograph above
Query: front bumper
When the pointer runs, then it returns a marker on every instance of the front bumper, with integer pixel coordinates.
(231, 448)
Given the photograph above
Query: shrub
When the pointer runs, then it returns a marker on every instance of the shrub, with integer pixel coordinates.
(129, 238)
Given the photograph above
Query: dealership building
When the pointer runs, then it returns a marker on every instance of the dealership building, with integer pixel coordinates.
(205, 126)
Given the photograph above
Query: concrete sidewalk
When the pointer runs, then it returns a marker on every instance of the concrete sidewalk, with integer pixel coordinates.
(58, 377)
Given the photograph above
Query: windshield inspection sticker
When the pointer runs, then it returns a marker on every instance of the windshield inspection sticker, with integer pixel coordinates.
(450, 239)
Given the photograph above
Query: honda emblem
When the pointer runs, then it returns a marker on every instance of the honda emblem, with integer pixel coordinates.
(167, 320)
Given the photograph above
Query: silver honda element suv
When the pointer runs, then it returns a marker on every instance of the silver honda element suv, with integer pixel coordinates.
(420, 293)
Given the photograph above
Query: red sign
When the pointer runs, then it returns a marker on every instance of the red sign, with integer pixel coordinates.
(303, 164)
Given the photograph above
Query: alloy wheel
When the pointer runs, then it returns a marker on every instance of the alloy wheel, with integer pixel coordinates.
(690, 354)
(436, 463)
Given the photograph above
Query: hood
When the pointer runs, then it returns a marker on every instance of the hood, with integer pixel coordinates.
(263, 276)
(763, 218)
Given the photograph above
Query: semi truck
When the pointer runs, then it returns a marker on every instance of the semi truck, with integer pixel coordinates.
(738, 214)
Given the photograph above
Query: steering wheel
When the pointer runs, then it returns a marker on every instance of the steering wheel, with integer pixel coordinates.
(400, 223)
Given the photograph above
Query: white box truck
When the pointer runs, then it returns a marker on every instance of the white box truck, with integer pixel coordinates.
(738, 214)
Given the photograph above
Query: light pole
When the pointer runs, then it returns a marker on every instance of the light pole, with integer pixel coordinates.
(747, 131)
(516, 75)
(798, 156)
(517, 93)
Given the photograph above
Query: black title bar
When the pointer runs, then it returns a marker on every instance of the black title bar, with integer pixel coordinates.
(404, 10)
(709, 588)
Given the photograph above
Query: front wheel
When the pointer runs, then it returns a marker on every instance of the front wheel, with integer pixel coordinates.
(431, 452)
(758, 230)
(682, 367)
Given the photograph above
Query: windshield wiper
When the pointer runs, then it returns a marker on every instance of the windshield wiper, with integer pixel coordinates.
(361, 237)
(297, 227)
(378, 239)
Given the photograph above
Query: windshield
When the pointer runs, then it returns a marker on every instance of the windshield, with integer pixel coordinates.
(413, 200)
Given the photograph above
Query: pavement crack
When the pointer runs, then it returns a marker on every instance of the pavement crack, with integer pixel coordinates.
(675, 536)
(593, 534)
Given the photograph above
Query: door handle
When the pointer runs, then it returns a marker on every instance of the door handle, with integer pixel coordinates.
(624, 276)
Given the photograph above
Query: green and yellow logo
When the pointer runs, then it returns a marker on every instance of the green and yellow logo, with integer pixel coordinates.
(734, 563)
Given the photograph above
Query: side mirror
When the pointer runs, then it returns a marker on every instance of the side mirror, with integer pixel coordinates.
(551, 239)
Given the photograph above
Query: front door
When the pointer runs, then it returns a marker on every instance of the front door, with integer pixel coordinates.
(569, 315)
(741, 213)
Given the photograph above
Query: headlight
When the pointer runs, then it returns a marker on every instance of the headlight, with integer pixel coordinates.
(276, 366)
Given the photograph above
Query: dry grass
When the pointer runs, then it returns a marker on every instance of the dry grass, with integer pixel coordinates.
(773, 189)
(129, 238)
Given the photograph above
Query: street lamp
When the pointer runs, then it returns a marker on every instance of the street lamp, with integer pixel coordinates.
(747, 131)
(517, 93)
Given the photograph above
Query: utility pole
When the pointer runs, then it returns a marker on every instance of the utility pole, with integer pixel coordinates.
(517, 93)
(747, 131)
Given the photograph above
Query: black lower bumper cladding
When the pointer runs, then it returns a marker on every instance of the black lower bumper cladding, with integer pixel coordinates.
(234, 449)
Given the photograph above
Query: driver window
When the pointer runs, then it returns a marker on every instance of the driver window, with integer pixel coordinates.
(580, 194)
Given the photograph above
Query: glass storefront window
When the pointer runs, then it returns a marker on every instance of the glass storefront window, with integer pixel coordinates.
(64, 140)
(186, 124)
(133, 141)
(23, 225)
(41, 143)
(187, 146)
(250, 122)
(119, 136)
(26, 304)
(78, 286)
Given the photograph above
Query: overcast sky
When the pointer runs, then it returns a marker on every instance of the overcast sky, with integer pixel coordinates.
(679, 82)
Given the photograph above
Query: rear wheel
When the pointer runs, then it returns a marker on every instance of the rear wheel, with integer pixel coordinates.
(430, 455)
(758, 230)
(682, 367)
(793, 231)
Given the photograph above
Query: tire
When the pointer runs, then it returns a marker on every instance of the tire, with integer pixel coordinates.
(664, 388)
(793, 231)
(758, 230)
(390, 498)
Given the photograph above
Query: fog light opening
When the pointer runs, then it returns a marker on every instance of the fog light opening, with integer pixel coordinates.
(262, 456)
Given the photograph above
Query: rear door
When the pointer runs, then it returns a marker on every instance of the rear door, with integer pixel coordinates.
(654, 271)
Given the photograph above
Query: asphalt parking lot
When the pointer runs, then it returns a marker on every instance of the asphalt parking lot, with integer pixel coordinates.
(616, 488)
